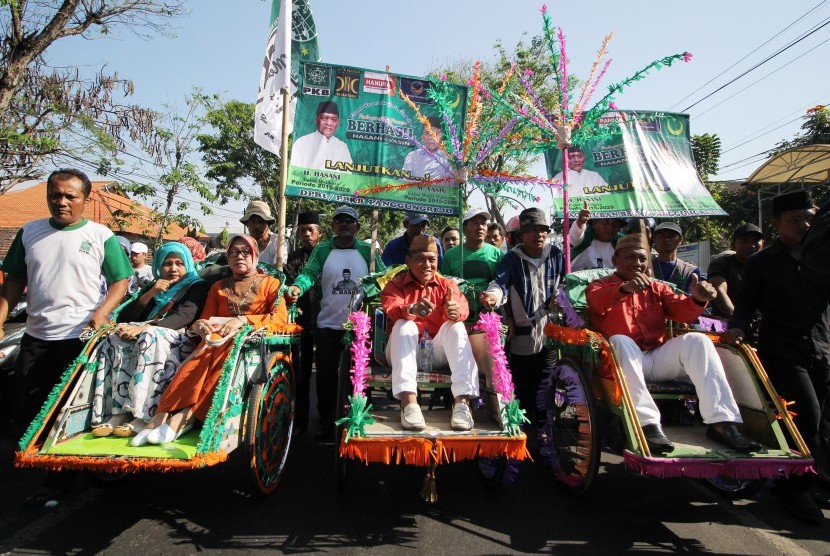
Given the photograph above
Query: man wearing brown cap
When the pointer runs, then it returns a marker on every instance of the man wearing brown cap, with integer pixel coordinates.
(527, 278)
(316, 149)
(258, 220)
(794, 339)
(309, 233)
(419, 301)
(726, 272)
(631, 309)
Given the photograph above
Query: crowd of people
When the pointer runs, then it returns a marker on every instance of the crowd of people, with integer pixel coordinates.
(159, 366)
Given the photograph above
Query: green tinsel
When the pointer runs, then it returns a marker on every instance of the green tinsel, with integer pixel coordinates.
(359, 417)
(587, 353)
(211, 437)
(514, 416)
(53, 397)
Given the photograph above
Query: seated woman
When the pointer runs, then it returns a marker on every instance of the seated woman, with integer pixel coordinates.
(246, 297)
(137, 361)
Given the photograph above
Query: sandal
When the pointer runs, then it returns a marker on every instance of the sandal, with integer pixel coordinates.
(41, 496)
(129, 429)
(101, 430)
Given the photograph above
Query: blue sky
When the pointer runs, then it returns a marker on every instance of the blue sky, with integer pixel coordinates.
(219, 47)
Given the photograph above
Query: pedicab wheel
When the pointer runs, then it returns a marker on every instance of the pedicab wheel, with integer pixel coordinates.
(268, 425)
(735, 489)
(568, 437)
(344, 388)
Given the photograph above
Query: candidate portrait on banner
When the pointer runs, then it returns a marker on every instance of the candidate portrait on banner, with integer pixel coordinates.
(315, 149)
(578, 176)
(430, 161)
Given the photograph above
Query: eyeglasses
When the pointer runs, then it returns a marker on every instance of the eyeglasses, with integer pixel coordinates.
(233, 253)
(345, 220)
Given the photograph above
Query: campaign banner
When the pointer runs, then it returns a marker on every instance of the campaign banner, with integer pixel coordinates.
(641, 165)
(353, 131)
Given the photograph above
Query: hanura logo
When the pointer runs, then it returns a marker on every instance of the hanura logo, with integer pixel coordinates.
(317, 80)
(380, 83)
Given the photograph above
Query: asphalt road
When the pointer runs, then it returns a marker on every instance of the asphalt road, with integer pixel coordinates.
(380, 511)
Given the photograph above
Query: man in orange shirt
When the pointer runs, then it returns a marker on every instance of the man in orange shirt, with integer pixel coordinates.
(631, 308)
(419, 301)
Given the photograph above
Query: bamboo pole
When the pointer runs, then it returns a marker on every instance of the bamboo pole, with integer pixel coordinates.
(286, 98)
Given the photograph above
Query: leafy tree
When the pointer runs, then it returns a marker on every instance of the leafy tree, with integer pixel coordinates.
(47, 112)
(173, 148)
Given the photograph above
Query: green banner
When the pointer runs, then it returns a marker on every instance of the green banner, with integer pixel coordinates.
(354, 132)
(642, 166)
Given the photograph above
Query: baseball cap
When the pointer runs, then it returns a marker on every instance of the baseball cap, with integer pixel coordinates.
(747, 229)
(673, 226)
(415, 218)
(138, 247)
(473, 212)
(344, 209)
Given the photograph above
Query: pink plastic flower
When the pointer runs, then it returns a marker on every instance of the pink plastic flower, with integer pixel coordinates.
(687, 56)
(528, 72)
(544, 8)
(612, 105)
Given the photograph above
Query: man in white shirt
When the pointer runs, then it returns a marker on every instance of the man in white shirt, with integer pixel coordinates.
(593, 243)
(316, 149)
(258, 220)
(428, 162)
(142, 272)
(578, 177)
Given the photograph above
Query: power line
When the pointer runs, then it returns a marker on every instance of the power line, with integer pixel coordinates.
(764, 77)
(759, 64)
(769, 127)
(756, 49)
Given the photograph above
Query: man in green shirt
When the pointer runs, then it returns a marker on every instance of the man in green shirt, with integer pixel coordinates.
(476, 261)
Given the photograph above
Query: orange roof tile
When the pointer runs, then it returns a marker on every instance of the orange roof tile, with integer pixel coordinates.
(109, 207)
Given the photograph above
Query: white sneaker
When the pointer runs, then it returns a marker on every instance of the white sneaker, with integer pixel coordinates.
(462, 417)
(411, 418)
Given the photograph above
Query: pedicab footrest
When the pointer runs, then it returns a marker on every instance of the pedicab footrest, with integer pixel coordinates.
(703, 468)
(382, 376)
(676, 387)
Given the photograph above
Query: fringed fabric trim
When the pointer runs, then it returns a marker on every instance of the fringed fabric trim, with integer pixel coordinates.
(428, 451)
(460, 448)
(413, 451)
(31, 458)
(697, 468)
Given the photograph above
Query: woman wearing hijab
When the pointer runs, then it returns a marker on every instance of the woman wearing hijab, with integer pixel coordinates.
(137, 361)
(245, 298)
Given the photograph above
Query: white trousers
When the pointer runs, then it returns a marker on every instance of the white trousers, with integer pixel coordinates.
(451, 345)
(688, 355)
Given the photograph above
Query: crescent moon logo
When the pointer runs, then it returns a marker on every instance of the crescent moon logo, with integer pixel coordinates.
(457, 101)
(674, 130)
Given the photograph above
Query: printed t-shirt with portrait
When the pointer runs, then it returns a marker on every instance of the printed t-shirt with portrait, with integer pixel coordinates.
(62, 267)
(338, 279)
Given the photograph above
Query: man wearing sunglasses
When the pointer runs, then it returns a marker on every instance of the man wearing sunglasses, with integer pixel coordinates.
(326, 267)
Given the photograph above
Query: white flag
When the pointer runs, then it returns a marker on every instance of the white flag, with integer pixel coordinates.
(280, 69)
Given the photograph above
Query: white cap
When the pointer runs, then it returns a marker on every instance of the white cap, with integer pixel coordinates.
(473, 212)
(138, 247)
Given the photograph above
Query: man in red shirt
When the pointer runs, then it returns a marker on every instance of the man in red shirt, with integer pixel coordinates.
(417, 301)
(631, 308)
